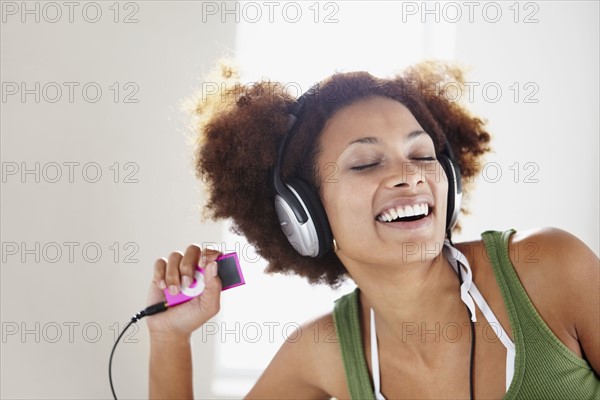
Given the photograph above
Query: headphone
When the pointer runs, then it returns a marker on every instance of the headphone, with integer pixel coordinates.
(299, 209)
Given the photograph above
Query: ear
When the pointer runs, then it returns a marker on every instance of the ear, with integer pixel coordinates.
(454, 198)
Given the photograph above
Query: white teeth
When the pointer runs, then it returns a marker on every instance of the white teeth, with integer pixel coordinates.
(403, 211)
(417, 209)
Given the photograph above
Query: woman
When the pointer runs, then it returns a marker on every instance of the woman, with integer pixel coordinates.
(377, 155)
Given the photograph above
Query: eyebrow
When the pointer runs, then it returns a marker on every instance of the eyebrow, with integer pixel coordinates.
(373, 140)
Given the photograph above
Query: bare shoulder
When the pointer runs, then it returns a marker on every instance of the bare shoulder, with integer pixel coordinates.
(307, 365)
(321, 341)
(556, 269)
(553, 254)
(318, 339)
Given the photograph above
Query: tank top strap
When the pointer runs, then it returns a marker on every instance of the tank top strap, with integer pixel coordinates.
(346, 317)
(496, 243)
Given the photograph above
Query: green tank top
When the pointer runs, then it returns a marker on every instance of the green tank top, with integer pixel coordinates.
(544, 367)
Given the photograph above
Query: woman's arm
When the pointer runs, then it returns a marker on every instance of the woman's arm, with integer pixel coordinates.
(582, 284)
(170, 332)
(562, 276)
(170, 368)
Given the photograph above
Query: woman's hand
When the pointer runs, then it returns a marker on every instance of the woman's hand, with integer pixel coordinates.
(185, 318)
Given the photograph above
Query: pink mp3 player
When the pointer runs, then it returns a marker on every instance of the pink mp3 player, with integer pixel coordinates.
(229, 271)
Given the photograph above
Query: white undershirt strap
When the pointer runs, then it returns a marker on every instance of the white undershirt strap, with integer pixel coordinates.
(375, 360)
(470, 295)
(455, 257)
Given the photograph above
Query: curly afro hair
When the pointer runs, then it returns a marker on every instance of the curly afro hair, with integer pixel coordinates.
(240, 128)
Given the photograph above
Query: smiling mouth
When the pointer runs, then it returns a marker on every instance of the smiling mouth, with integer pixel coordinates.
(407, 213)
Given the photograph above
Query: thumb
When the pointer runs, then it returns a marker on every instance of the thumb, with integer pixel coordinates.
(211, 278)
(211, 296)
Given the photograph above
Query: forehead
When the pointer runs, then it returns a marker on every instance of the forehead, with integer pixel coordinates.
(375, 116)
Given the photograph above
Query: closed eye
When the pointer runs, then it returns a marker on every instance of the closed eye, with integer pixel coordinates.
(424, 158)
(364, 166)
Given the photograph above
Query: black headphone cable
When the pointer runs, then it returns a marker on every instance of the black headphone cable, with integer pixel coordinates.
(472, 353)
(150, 310)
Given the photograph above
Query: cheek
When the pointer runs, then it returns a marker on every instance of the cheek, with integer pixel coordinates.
(347, 206)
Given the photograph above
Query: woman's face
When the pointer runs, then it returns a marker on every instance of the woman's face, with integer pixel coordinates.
(382, 188)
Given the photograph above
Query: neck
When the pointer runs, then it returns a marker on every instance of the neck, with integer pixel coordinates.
(412, 297)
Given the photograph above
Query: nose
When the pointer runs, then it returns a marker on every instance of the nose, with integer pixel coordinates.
(404, 174)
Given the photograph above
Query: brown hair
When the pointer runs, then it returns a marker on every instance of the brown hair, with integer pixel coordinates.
(241, 126)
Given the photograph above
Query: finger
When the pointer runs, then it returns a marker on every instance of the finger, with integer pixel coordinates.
(211, 277)
(211, 297)
(188, 264)
(172, 273)
(160, 267)
(207, 256)
(155, 295)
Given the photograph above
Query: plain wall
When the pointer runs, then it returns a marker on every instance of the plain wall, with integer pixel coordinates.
(143, 212)
(60, 314)
(550, 128)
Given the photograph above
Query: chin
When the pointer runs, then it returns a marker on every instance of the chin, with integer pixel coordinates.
(421, 245)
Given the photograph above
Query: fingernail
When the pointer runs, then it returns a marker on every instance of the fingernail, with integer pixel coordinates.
(173, 290)
(186, 281)
(213, 268)
(162, 285)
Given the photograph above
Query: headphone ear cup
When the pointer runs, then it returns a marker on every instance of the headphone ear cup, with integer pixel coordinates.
(454, 191)
(316, 213)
